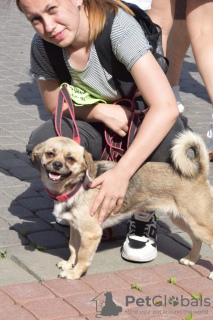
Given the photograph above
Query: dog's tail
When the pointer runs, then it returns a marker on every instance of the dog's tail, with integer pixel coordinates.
(190, 165)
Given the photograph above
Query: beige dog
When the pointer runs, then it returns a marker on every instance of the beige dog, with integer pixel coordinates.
(181, 189)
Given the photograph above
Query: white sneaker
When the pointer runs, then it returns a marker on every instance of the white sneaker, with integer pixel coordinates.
(140, 244)
(62, 222)
(176, 89)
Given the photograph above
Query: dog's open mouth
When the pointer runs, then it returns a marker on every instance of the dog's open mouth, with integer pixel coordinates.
(57, 177)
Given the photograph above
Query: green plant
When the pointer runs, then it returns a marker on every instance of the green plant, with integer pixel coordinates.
(37, 247)
(189, 317)
(3, 254)
(172, 280)
(196, 296)
(23, 233)
(136, 287)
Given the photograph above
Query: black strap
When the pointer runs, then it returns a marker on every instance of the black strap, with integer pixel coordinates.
(108, 60)
(55, 55)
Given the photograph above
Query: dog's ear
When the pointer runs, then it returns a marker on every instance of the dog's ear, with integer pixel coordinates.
(90, 164)
(36, 155)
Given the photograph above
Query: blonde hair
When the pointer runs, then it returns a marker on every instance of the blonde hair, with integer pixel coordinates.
(96, 11)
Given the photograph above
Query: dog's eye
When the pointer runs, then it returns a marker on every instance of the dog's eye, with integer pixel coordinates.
(70, 159)
(49, 154)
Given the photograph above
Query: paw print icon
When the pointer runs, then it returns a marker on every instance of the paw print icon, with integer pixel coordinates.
(173, 301)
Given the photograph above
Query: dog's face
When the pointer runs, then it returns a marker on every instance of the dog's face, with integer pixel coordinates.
(62, 160)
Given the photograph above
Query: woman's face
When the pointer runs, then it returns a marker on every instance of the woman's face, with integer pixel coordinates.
(56, 21)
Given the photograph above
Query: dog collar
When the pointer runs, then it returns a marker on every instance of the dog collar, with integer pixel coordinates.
(66, 196)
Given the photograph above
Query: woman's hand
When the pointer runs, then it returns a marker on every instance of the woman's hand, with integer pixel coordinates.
(110, 198)
(115, 117)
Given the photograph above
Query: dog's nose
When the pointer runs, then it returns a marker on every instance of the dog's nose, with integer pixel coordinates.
(57, 165)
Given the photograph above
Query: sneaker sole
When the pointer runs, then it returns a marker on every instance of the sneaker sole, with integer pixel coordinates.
(150, 258)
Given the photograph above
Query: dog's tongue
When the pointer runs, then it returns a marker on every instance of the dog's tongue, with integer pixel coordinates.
(54, 176)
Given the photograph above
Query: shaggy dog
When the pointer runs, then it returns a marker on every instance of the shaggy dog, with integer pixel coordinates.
(180, 188)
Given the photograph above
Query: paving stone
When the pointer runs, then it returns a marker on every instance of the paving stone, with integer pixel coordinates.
(84, 303)
(11, 163)
(9, 141)
(15, 312)
(63, 229)
(17, 117)
(204, 266)
(5, 201)
(171, 248)
(185, 240)
(118, 317)
(48, 239)
(24, 173)
(78, 318)
(178, 271)
(4, 225)
(4, 133)
(35, 204)
(162, 292)
(30, 225)
(14, 212)
(8, 180)
(26, 292)
(12, 238)
(134, 276)
(46, 215)
(21, 155)
(66, 288)
(42, 265)
(193, 285)
(11, 273)
(51, 309)
(106, 281)
(5, 300)
(20, 192)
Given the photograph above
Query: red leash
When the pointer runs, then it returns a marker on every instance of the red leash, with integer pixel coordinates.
(64, 96)
(116, 146)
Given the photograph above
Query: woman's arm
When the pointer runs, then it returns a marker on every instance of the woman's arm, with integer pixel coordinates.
(160, 118)
(162, 114)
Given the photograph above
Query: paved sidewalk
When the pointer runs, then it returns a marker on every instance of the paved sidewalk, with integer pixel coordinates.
(34, 243)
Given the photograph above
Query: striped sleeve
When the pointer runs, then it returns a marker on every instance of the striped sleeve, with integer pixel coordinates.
(41, 68)
(128, 40)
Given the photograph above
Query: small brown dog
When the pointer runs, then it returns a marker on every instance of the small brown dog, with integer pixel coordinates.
(181, 189)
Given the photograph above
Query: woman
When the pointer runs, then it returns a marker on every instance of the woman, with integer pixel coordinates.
(73, 25)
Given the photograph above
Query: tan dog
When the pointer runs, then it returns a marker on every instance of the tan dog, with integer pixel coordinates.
(181, 189)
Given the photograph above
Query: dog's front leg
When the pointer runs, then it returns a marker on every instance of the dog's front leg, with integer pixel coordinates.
(88, 246)
(74, 243)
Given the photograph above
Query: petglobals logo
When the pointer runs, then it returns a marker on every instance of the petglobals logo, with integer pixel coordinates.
(106, 307)
(158, 301)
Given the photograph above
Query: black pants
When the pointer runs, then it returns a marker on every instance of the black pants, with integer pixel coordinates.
(92, 137)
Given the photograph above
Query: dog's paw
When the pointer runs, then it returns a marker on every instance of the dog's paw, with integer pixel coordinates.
(186, 262)
(210, 277)
(65, 265)
(69, 274)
